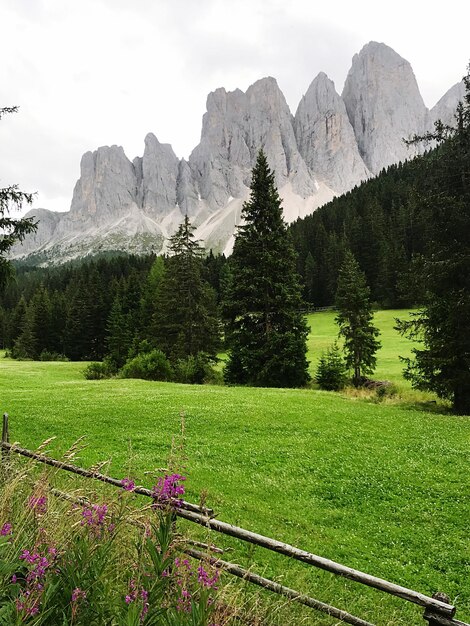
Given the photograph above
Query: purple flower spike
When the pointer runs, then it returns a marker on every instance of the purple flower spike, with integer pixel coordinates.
(78, 594)
(38, 505)
(128, 484)
(167, 491)
(6, 529)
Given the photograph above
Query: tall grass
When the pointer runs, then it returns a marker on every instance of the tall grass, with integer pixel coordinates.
(96, 558)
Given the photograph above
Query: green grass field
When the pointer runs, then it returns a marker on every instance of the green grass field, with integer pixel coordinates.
(382, 487)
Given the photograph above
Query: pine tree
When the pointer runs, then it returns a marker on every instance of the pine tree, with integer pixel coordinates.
(354, 319)
(36, 327)
(442, 364)
(186, 318)
(16, 321)
(11, 230)
(147, 301)
(118, 333)
(266, 332)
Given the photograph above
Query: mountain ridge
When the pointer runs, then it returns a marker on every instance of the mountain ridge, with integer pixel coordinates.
(331, 144)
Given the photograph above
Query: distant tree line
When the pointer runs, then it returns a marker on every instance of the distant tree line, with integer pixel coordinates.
(384, 225)
(86, 310)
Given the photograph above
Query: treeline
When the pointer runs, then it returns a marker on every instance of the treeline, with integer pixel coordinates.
(87, 311)
(382, 222)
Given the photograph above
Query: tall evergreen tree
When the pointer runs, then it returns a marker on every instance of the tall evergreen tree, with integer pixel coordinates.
(146, 328)
(186, 318)
(11, 230)
(266, 332)
(119, 333)
(354, 319)
(442, 364)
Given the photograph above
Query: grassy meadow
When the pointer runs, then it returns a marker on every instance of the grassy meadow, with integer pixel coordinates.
(379, 486)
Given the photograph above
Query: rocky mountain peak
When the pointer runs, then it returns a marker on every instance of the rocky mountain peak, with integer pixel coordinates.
(384, 105)
(444, 109)
(106, 187)
(326, 138)
(159, 176)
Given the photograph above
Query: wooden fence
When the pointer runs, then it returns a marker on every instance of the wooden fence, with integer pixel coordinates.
(438, 609)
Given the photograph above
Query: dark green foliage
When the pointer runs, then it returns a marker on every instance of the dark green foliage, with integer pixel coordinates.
(119, 333)
(185, 321)
(382, 222)
(194, 369)
(152, 365)
(331, 372)
(146, 330)
(71, 305)
(46, 355)
(11, 230)
(354, 319)
(442, 364)
(265, 330)
(36, 327)
(99, 370)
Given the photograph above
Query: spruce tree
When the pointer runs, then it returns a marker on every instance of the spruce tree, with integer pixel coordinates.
(186, 317)
(354, 319)
(118, 333)
(266, 331)
(11, 230)
(442, 362)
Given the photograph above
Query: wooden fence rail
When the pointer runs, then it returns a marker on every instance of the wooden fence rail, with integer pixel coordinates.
(438, 609)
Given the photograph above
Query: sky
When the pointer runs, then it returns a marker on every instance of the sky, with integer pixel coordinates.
(88, 73)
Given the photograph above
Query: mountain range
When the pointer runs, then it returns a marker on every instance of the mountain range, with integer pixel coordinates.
(331, 144)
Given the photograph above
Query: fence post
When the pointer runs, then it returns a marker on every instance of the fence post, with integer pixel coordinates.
(433, 618)
(5, 437)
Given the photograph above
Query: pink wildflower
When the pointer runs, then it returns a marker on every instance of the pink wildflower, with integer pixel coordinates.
(78, 594)
(167, 491)
(38, 504)
(128, 484)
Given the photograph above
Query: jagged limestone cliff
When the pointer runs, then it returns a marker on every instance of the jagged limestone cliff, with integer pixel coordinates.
(332, 144)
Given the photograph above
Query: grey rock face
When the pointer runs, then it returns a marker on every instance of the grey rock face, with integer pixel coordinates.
(107, 186)
(47, 224)
(235, 127)
(159, 175)
(331, 145)
(326, 138)
(445, 108)
(384, 105)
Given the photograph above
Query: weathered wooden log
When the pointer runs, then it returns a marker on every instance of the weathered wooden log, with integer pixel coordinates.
(205, 546)
(5, 436)
(436, 619)
(90, 474)
(266, 583)
(320, 562)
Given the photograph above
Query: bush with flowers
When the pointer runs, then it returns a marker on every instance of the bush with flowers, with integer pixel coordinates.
(78, 561)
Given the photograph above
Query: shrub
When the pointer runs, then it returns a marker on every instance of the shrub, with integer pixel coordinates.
(194, 370)
(139, 347)
(386, 390)
(46, 355)
(331, 372)
(150, 366)
(99, 370)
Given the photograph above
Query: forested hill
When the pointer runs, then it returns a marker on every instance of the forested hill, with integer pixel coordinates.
(383, 222)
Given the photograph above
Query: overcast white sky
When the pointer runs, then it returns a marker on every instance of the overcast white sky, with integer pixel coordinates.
(88, 73)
